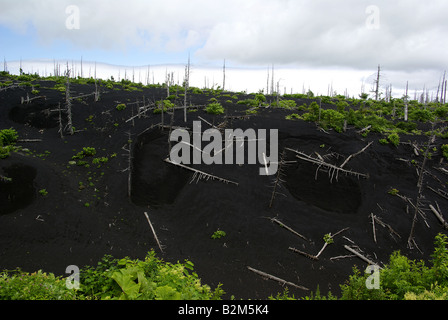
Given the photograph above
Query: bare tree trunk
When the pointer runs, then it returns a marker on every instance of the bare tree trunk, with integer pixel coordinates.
(224, 76)
(187, 84)
(377, 90)
(442, 94)
(411, 240)
(68, 102)
(406, 103)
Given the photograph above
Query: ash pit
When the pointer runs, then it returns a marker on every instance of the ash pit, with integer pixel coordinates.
(154, 182)
(37, 114)
(17, 190)
(341, 195)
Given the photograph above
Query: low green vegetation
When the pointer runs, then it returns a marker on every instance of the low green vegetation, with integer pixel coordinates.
(214, 108)
(153, 278)
(8, 138)
(163, 105)
(113, 279)
(120, 107)
(218, 234)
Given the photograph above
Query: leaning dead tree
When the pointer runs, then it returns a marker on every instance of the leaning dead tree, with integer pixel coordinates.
(200, 175)
(128, 148)
(153, 232)
(333, 170)
(411, 240)
(278, 179)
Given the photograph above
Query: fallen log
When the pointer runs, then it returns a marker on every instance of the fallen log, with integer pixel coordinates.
(359, 255)
(281, 224)
(439, 216)
(200, 174)
(333, 170)
(309, 256)
(271, 277)
(154, 233)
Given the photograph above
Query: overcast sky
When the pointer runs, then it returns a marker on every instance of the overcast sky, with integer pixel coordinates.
(404, 36)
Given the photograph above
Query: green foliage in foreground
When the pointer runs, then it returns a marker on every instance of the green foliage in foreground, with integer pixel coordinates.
(152, 278)
(401, 279)
(113, 279)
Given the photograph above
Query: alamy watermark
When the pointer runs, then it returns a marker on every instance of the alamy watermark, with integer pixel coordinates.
(73, 20)
(373, 19)
(72, 281)
(373, 281)
(220, 150)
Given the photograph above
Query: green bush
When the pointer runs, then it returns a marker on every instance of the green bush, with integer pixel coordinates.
(444, 149)
(214, 108)
(148, 279)
(163, 105)
(422, 115)
(86, 152)
(403, 278)
(8, 136)
(19, 285)
(394, 138)
(120, 107)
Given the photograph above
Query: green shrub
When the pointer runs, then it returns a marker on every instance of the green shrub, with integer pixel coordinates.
(163, 105)
(422, 115)
(394, 138)
(218, 234)
(19, 285)
(146, 279)
(406, 126)
(8, 136)
(403, 278)
(120, 107)
(444, 149)
(286, 104)
(86, 152)
(214, 108)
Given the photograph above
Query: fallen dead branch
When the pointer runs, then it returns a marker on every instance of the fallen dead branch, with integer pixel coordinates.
(198, 175)
(385, 225)
(439, 216)
(328, 239)
(359, 255)
(154, 233)
(281, 224)
(355, 154)
(29, 140)
(333, 170)
(271, 277)
(441, 193)
(309, 256)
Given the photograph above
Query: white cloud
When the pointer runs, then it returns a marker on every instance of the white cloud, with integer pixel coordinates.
(319, 33)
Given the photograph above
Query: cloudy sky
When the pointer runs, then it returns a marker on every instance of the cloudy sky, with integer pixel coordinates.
(325, 42)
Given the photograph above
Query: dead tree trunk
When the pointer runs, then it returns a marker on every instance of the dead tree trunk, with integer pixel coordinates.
(411, 240)
(224, 75)
(68, 102)
(377, 89)
(186, 84)
(278, 179)
(406, 103)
